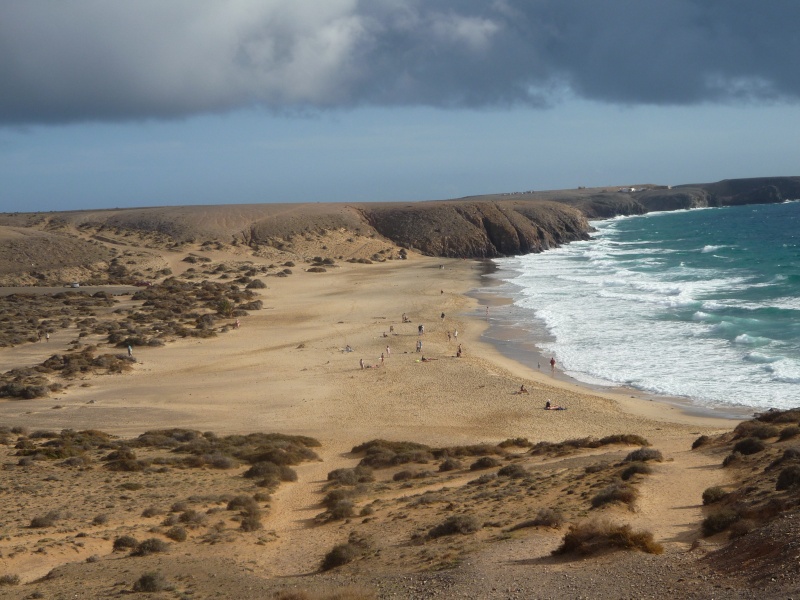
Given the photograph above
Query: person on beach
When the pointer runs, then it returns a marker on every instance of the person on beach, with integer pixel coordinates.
(458, 352)
(548, 406)
(419, 345)
(238, 324)
(388, 352)
(391, 328)
(381, 357)
(39, 335)
(420, 329)
(405, 318)
(361, 362)
(455, 334)
(47, 336)
(448, 335)
(553, 363)
(522, 389)
(347, 348)
(442, 316)
(130, 350)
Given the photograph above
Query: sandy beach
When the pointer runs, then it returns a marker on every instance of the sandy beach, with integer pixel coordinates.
(287, 369)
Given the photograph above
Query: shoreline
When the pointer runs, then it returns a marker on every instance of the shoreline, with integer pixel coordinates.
(520, 344)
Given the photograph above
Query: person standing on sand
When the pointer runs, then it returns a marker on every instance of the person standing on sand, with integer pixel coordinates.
(388, 352)
(553, 364)
(419, 345)
(448, 335)
(130, 350)
(455, 334)
(39, 335)
(361, 362)
(47, 336)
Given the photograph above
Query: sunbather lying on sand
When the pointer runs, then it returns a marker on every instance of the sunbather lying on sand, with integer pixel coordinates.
(549, 406)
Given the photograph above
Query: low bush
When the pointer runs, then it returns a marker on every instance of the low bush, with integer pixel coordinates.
(635, 468)
(251, 521)
(484, 462)
(597, 536)
(47, 520)
(150, 546)
(750, 445)
(150, 583)
(351, 476)
(731, 459)
(513, 471)
(339, 555)
(622, 493)
(644, 454)
(719, 521)
(9, 580)
(450, 464)
(546, 517)
(701, 441)
(457, 524)
(124, 542)
(713, 495)
(788, 478)
(176, 534)
(788, 433)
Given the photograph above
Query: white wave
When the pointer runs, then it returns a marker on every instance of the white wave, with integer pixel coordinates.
(758, 357)
(751, 340)
(710, 248)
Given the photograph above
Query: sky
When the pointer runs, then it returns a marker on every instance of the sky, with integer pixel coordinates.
(113, 103)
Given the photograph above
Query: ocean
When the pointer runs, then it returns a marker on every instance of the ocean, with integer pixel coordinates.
(702, 305)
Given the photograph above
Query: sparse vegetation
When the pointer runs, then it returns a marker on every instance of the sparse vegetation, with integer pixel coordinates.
(591, 537)
(150, 583)
(456, 524)
(713, 495)
(621, 493)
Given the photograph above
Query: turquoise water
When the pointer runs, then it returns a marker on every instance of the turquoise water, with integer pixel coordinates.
(702, 304)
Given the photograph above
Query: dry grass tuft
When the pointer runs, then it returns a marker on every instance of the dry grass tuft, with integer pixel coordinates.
(597, 536)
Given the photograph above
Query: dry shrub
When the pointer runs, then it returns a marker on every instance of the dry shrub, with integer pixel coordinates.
(788, 478)
(351, 476)
(750, 445)
(150, 546)
(339, 555)
(457, 524)
(644, 454)
(713, 495)
(788, 433)
(741, 528)
(635, 468)
(380, 454)
(616, 492)
(600, 535)
(755, 429)
(780, 416)
(271, 470)
(251, 521)
(546, 517)
(9, 580)
(484, 462)
(47, 520)
(450, 464)
(124, 542)
(719, 521)
(345, 593)
(701, 441)
(513, 471)
(176, 534)
(732, 459)
(150, 582)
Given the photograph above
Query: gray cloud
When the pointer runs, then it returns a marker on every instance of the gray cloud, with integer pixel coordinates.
(101, 60)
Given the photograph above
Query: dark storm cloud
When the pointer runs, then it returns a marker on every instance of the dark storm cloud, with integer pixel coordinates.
(88, 60)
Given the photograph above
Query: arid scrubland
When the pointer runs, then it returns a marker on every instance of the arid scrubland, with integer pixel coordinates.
(240, 450)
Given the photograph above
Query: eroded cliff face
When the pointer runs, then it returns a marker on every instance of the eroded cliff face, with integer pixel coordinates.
(478, 229)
